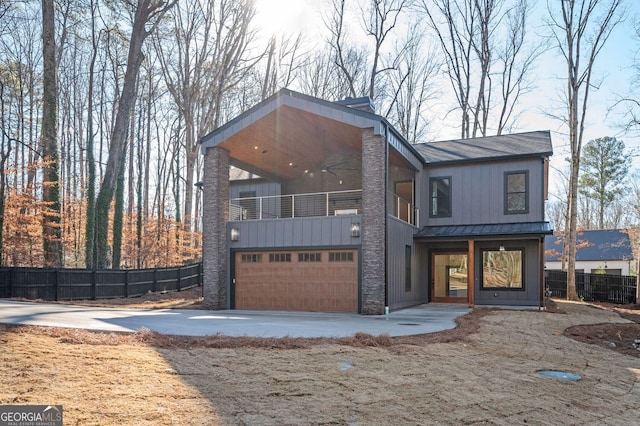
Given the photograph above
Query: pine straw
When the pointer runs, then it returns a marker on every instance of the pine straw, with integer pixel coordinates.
(466, 325)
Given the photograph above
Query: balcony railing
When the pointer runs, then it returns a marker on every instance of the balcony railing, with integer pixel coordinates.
(402, 209)
(296, 205)
(312, 205)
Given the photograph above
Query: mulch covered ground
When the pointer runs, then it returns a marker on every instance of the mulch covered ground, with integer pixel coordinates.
(617, 337)
(485, 371)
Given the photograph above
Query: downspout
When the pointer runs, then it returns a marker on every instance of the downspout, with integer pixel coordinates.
(386, 216)
(541, 272)
(541, 268)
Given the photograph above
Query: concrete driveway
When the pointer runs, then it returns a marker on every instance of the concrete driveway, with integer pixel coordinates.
(188, 322)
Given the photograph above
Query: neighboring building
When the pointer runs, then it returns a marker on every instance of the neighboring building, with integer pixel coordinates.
(599, 251)
(347, 216)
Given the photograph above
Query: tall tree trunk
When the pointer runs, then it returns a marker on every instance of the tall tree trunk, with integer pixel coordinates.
(89, 252)
(144, 11)
(4, 155)
(52, 243)
(581, 33)
(118, 213)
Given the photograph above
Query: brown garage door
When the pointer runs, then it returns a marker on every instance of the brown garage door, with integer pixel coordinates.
(320, 281)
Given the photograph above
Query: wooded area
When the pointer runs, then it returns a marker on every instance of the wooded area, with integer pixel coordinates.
(102, 104)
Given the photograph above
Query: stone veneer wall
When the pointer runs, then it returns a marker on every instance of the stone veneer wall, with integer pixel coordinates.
(373, 223)
(215, 214)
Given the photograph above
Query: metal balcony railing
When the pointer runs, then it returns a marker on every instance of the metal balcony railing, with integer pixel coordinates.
(296, 205)
(312, 205)
(402, 209)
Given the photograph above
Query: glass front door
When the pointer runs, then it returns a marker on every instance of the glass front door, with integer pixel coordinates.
(449, 277)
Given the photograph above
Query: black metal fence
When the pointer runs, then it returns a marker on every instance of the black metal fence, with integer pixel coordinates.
(594, 287)
(84, 284)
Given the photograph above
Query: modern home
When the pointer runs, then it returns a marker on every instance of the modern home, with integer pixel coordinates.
(606, 251)
(324, 206)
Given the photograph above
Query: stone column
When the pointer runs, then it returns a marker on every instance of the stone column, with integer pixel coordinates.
(374, 222)
(215, 214)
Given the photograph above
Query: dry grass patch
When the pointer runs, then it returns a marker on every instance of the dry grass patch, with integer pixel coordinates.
(482, 372)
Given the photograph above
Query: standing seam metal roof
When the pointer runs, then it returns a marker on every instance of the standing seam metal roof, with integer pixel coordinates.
(522, 228)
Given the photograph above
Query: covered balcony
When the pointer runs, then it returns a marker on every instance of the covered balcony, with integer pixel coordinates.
(317, 204)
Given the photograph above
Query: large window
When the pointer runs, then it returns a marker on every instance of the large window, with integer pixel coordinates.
(502, 269)
(440, 189)
(516, 188)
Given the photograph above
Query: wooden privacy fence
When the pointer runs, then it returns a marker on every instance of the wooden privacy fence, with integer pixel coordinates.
(594, 287)
(85, 284)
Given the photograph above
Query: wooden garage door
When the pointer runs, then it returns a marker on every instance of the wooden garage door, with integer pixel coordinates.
(320, 281)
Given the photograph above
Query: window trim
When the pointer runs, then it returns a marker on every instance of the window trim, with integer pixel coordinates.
(431, 181)
(522, 269)
(526, 192)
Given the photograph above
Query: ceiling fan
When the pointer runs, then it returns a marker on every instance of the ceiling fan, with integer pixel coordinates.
(331, 168)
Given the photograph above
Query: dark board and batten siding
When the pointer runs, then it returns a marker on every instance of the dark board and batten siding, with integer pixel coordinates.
(477, 192)
(261, 188)
(400, 234)
(329, 231)
(530, 295)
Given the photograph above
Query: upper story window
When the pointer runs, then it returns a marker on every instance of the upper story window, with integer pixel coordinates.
(440, 197)
(516, 189)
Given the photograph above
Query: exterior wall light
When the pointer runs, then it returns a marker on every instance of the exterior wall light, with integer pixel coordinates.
(235, 234)
(355, 229)
(501, 247)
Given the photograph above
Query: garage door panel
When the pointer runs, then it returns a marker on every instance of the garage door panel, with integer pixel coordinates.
(318, 285)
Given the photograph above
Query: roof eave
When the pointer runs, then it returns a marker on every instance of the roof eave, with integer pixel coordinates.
(295, 100)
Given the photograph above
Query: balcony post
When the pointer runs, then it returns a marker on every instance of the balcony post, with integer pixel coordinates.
(327, 202)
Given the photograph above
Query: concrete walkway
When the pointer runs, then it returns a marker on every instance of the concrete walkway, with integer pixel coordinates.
(188, 322)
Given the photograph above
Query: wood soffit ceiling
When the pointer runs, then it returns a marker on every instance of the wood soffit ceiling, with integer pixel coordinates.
(288, 141)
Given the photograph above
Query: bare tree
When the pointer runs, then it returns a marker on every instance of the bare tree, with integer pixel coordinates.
(318, 76)
(91, 165)
(204, 54)
(515, 62)
(581, 29)
(467, 32)
(6, 142)
(455, 28)
(284, 61)
(379, 22)
(51, 231)
(412, 84)
(147, 12)
(350, 60)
